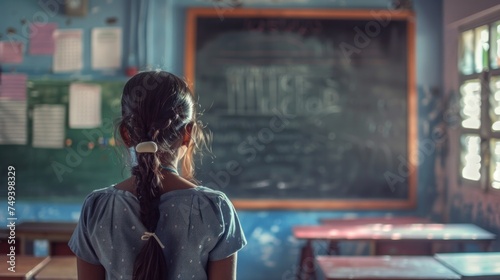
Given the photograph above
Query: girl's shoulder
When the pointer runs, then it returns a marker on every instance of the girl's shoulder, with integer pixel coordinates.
(211, 192)
(102, 196)
(205, 193)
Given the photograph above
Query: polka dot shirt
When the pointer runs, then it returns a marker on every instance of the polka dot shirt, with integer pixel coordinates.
(196, 226)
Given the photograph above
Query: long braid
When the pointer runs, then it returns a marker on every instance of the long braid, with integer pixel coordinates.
(148, 177)
(156, 106)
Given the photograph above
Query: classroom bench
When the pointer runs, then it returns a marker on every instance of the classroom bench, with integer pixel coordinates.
(39, 268)
(56, 233)
(333, 246)
(401, 220)
(473, 266)
(26, 267)
(59, 268)
(384, 267)
(420, 237)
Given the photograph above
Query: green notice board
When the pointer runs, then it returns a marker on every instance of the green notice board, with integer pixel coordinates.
(87, 159)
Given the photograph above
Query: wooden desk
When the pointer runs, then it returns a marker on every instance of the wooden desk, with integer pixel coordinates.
(374, 220)
(459, 233)
(59, 268)
(383, 267)
(477, 266)
(420, 235)
(334, 249)
(56, 233)
(26, 267)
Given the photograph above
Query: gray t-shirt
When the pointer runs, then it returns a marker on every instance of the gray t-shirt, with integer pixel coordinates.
(196, 226)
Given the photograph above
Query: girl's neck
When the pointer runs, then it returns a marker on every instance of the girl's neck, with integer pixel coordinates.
(170, 168)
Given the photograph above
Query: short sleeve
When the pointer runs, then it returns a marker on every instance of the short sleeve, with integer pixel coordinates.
(80, 242)
(232, 238)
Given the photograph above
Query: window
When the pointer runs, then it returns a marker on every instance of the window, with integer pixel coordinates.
(479, 70)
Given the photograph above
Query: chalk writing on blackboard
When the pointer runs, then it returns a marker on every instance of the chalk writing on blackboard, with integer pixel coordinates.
(259, 89)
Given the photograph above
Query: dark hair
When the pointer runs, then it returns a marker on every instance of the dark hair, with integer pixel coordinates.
(157, 106)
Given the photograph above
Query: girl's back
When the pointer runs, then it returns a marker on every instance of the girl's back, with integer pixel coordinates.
(196, 225)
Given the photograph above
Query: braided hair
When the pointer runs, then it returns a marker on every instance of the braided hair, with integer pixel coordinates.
(157, 106)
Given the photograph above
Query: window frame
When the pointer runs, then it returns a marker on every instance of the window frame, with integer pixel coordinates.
(485, 131)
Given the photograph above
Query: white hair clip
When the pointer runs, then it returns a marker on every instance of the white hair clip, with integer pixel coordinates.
(146, 147)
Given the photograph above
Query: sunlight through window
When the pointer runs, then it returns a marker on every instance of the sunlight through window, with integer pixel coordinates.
(471, 157)
(495, 163)
(481, 48)
(471, 104)
(495, 45)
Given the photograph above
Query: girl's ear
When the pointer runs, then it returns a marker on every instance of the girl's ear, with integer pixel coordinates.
(187, 134)
(125, 136)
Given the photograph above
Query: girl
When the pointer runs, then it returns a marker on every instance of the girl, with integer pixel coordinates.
(157, 224)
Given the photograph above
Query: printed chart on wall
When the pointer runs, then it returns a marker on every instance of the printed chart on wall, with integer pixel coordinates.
(304, 113)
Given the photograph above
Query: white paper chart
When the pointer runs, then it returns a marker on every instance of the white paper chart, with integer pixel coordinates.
(106, 48)
(84, 105)
(69, 50)
(13, 112)
(13, 120)
(48, 126)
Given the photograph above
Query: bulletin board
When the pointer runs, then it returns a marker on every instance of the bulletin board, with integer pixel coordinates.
(87, 160)
(309, 109)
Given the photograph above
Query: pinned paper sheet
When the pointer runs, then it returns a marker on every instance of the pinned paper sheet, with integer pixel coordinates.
(13, 114)
(48, 126)
(106, 48)
(69, 50)
(13, 122)
(13, 87)
(11, 52)
(84, 105)
(42, 38)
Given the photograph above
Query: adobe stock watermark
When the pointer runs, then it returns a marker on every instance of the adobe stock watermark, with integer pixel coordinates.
(250, 147)
(427, 146)
(48, 9)
(408, 166)
(222, 7)
(363, 36)
(75, 156)
(307, 268)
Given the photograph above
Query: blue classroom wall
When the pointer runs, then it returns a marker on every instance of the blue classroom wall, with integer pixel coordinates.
(272, 252)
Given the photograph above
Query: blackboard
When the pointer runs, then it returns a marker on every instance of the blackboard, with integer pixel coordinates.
(308, 108)
(69, 173)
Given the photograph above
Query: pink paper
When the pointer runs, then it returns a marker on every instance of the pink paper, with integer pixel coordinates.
(13, 87)
(11, 52)
(42, 38)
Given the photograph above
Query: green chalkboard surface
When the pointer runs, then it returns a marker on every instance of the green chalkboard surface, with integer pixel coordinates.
(309, 109)
(86, 162)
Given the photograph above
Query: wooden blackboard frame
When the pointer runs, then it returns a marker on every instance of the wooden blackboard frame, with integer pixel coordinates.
(356, 204)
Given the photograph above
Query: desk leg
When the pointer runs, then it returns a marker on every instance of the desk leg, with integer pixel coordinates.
(306, 265)
(373, 248)
(23, 245)
(333, 248)
(485, 246)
